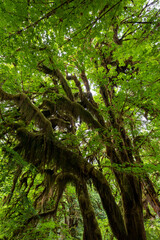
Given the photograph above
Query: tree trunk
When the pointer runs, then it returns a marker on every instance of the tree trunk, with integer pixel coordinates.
(91, 228)
(133, 208)
(111, 208)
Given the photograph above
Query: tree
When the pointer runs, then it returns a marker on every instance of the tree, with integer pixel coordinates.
(79, 102)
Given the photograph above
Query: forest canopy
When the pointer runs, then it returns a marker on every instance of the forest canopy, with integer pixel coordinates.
(79, 119)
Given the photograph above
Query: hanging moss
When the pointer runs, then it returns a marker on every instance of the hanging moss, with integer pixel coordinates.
(28, 109)
(64, 84)
(93, 110)
(62, 124)
(39, 149)
(75, 109)
(56, 73)
(7, 96)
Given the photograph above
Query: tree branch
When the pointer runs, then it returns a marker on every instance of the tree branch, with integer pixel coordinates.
(28, 109)
(75, 109)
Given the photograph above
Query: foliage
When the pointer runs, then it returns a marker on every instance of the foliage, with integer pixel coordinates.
(152, 229)
(79, 119)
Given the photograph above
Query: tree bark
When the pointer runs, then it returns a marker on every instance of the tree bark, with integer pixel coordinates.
(111, 208)
(91, 228)
(133, 208)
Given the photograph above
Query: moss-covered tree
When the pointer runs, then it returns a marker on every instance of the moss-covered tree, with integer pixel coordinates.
(79, 105)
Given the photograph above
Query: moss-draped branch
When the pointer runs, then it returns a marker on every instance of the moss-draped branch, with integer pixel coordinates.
(72, 162)
(56, 72)
(73, 108)
(28, 109)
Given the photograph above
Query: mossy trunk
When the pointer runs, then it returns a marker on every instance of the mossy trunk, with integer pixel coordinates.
(91, 228)
(111, 208)
(133, 208)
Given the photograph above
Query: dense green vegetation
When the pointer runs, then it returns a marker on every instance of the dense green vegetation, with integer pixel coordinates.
(79, 119)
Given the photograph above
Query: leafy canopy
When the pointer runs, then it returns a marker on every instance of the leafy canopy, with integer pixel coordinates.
(79, 90)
